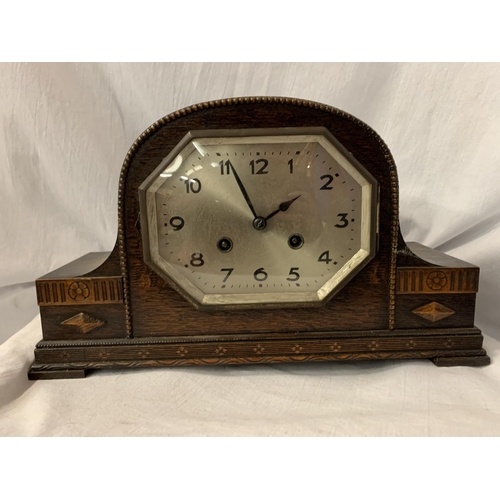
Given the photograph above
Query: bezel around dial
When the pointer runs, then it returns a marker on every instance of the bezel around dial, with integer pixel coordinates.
(200, 299)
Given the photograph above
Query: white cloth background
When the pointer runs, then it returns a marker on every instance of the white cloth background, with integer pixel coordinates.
(65, 131)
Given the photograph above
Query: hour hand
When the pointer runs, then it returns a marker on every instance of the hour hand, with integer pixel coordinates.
(283, 207)
(243, 191)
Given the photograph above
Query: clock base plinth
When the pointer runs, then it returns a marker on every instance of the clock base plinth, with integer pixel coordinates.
(45, 373)
(481, 360)
(444, 347)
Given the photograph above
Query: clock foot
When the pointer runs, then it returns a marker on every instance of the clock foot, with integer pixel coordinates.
(481, 360)
(41, 373)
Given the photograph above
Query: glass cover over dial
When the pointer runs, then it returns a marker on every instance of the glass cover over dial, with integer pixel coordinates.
(258, 217)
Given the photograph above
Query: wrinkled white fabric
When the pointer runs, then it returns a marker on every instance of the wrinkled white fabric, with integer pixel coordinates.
(65, 131)
(367, 398)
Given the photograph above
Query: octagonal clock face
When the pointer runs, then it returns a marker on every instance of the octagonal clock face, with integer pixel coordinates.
(271, 217)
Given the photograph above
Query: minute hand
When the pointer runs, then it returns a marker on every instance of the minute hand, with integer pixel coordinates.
(243, 191)
(283, 208)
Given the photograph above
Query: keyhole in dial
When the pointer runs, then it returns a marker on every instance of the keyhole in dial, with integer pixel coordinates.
(295, 241)
(225, 245)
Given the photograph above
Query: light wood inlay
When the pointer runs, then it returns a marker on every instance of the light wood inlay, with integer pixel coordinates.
(433, 311)
(83, 323)
(81, 291)
(419, 280)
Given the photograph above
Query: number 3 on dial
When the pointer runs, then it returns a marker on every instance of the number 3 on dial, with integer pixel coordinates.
(343, 220)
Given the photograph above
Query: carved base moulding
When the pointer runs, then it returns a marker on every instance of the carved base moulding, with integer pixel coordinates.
(257, 230)
(451, 347)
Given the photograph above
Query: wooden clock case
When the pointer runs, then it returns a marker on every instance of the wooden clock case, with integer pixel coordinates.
(110, 310)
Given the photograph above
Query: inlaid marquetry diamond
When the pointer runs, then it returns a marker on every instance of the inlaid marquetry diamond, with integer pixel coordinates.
(83, 322)
(433, 311)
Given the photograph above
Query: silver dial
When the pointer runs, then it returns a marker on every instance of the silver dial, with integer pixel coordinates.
(258, 217)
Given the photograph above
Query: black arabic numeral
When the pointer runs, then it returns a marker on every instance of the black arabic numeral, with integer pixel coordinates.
(343, 220)
(228, 270)
(177, 223)
(193, 185)
(325, 257)
(293, 272)
(228, 166)
(290, 163)
(262, 273)
(326, 186)
(197, 260)
(262, 170)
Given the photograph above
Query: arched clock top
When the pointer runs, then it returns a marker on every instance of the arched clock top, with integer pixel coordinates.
(358, 139)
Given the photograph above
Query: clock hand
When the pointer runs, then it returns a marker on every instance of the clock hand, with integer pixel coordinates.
(283, 208)
(243, 191)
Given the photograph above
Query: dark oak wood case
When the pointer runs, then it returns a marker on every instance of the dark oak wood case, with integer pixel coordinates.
(110, 310)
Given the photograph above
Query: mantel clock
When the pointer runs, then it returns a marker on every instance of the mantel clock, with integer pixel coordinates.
(257, 230)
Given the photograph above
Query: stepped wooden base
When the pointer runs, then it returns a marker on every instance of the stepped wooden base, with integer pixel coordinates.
(481, 360)
(51, 373)
(444, 347)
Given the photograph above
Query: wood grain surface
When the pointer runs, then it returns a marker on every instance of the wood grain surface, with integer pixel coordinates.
(408, 302)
